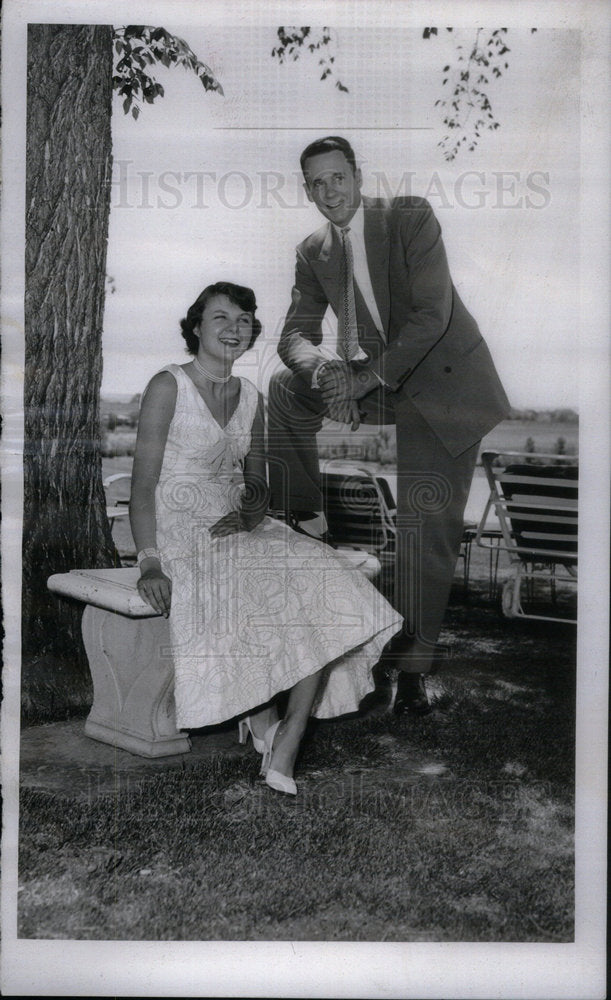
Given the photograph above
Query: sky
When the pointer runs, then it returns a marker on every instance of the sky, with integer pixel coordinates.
(207, 187)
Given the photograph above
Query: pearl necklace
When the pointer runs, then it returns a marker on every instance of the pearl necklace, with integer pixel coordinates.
(213, 378)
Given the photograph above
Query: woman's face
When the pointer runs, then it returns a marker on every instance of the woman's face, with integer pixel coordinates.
(224, 330)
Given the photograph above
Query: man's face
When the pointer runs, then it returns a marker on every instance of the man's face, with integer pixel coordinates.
(333, 186)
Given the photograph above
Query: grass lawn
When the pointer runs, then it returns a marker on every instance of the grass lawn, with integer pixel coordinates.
(454, 827)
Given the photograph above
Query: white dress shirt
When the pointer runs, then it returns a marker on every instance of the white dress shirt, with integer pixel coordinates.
(362, 279)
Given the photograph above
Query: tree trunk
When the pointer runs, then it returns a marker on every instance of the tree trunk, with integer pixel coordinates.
(67, 208)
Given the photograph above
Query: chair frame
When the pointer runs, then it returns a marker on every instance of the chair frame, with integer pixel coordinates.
(387, 525)
(529, 563)
(121, 507)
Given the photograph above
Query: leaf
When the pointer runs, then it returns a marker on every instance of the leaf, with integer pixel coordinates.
(127, 104)
(135, 112)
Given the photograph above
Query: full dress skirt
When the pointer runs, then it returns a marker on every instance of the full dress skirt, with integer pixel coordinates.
(254, 612)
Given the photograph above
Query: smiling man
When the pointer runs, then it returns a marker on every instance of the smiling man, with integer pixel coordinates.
(408, 353)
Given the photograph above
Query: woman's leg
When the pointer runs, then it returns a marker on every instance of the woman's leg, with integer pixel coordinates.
(262, 718)
(290, 731)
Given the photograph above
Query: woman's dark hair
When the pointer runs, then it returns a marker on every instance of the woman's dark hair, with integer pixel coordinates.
(238, 294)
(328, 145)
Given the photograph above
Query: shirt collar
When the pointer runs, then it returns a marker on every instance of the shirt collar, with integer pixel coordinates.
(356, 224)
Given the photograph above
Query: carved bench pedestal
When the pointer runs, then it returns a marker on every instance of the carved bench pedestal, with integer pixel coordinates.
(128, 648)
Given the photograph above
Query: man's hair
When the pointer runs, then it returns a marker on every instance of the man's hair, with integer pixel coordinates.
(328, 145)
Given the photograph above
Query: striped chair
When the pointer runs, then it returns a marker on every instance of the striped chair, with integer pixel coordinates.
(536, 502)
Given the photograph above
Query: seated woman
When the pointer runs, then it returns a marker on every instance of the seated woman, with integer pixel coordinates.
(254, 608)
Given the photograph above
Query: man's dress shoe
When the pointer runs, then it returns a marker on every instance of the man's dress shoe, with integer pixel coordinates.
(411, 695)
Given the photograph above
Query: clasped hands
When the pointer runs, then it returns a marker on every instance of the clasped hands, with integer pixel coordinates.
(340, 386)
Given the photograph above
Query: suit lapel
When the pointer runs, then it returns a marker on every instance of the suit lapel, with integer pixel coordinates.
(326, 264)
(377, 248)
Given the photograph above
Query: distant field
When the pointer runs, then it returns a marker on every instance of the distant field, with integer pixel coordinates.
(511, 435)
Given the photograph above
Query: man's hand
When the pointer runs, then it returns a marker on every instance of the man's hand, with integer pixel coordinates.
(339, 382)
(345, 413)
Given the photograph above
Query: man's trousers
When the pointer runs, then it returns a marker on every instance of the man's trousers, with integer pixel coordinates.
(432, 491)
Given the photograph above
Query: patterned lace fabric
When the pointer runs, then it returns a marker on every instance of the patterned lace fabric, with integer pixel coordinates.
(256, 611)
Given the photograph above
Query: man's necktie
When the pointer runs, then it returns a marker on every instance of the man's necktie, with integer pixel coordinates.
(348, 337)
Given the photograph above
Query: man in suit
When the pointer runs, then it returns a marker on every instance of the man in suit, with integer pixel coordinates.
(408, 353)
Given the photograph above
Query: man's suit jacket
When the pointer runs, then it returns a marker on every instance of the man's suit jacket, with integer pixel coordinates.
(434, 353)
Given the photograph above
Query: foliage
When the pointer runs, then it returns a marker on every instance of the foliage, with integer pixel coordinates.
(292, 40)
(467, 108)
(117, 445)
(138, 47)
(465, 96)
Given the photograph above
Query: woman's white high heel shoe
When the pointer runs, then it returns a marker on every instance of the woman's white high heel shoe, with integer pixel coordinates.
(280, 782)
(275, 779)
(244, 728)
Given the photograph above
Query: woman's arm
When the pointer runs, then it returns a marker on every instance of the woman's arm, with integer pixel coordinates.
(156, 414)
(255, 498)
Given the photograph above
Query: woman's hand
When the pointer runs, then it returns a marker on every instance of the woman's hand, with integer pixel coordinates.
(155, 588)
(236, 521)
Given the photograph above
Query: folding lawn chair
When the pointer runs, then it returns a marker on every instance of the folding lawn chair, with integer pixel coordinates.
(359, 507)
(535, 500)
(361, 512)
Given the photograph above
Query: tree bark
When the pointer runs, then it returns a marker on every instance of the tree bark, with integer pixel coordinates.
(67, 208)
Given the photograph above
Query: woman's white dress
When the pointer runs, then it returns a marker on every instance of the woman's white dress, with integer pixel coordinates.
(254, 612)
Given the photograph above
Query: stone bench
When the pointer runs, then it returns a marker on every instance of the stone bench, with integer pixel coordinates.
(130, 658)
(128, 648)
